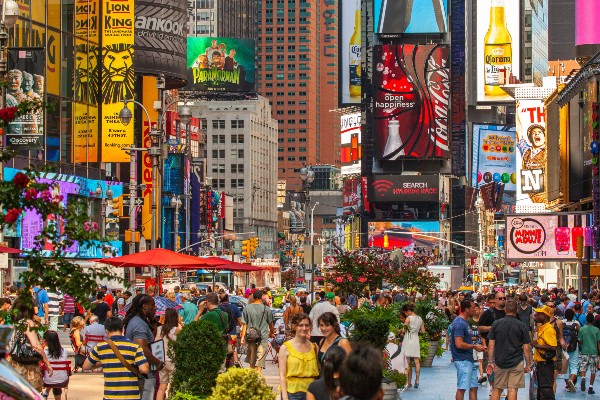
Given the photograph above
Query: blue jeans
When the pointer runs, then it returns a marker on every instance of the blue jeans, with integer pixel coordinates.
(149, 386)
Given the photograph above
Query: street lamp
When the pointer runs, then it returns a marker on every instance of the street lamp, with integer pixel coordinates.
(308, 176)
(176, 204)
(480, 206)
(109, 194)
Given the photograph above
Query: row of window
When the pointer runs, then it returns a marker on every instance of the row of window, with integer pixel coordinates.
(291, 112)
(220, 139)
(281, 30)
(292, 130)
(279, 77)
(292, 149)
(290, 20)
(220, 124)
(301, 158)
(290, 102)
(291, 139)
(282, 84)
(291, 57)
(239, 153)
(235, 183)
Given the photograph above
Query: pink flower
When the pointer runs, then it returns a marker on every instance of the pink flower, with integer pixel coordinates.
(57, 198)
(21, 180)
(46, 195)
(12, 215)
(31, 194)
(94, 226)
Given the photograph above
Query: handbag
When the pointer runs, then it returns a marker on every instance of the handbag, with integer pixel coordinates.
(22, 352)
(254, 335)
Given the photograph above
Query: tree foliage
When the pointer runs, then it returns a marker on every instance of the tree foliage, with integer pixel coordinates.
(288, 278)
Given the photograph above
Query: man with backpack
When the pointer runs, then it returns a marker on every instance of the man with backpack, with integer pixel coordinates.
(234, 319)
(570, 335)
(257, 327)
(589, 336)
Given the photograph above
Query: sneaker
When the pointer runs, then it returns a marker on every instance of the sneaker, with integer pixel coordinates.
(591, 391)
(582, 384)
(482, 379)
(571, 386)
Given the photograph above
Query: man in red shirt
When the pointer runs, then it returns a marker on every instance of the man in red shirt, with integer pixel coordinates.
(108, 298)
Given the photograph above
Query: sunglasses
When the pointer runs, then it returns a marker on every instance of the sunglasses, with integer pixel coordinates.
(551, 305)
(500, 298)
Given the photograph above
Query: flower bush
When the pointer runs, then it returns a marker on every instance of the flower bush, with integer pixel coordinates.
(242, 383)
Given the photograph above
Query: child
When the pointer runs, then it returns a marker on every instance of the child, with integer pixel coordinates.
(58, 378)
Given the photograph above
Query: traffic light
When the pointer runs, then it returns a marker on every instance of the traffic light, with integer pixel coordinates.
(386, 241)
(356, 241)
(117, 206)
(178, 243)
(246, 248)
(253, 244)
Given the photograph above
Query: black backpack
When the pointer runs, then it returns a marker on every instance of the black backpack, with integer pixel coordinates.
(231, 322)
(570, 337)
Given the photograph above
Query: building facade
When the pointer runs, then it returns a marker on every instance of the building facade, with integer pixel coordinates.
(242, 162)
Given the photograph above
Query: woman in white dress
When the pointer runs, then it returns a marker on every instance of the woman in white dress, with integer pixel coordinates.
(410, 344)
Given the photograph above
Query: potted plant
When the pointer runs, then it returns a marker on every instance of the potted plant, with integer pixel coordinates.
(393, 382)
(371, 325)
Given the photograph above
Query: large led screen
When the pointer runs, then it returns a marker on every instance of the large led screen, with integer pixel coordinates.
(410, 16)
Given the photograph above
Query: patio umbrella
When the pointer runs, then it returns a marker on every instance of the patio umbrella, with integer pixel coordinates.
(9, 250)
(161, 303)
(154, 257)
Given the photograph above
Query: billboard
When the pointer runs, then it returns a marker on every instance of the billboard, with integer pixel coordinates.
(404, 188)
(531, 152)
(351, 196)
(411, 101)
(117, 82)
(160, 39)
(349, 40)
(494, 155)
(25, 82)
(220, 64)
(586, 22)
(551, 236)
(405, 235)
(350, 142)
(410, 16)
(296, 203)
(498, 48)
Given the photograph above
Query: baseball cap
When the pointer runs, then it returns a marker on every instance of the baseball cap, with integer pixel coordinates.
(544, 310)
(391, 336)
(330, 296)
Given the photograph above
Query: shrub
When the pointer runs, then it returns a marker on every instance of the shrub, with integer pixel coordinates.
(371, 325)
(394, 376)
(197, 354)
(184, 396)
(238, 383)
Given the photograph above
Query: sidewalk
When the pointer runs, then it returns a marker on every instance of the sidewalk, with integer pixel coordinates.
(439, 383)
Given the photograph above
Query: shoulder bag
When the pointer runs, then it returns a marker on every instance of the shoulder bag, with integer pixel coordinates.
(22, 352)
(253, 334)
(130, 367)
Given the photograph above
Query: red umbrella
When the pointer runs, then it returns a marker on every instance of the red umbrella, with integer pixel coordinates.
(218, 264)
(9, 250)
(154, 257)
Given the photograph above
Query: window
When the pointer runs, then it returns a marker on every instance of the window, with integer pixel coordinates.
(218, 124)
(291, 158)
(215, 139)
(302, 139)
(215, 154)
(237, 139)
(303, 149)
(238, 123)
(292, 149)
(218, 168)
(237, 183)
(330, 219)
(222, 139)
(279, 112)
(291, 139)
(279, 158)
(221, 183)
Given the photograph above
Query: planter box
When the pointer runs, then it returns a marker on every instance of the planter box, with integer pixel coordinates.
(433, 346)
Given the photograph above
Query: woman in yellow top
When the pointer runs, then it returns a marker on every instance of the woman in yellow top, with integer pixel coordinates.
(298, 360)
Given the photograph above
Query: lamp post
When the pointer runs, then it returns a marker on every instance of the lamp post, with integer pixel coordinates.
(109, 195)
(480, 206)
(155, 151)
(176, 204)
(308, 176)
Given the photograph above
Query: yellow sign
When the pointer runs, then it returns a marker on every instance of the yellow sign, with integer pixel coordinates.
(117, 82)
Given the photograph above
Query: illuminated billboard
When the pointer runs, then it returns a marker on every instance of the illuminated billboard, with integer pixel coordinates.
(411, 91)
(586, 22)
(350, 142)
(551, 236)
(498, 48)
(410, 16)
(220, 64)
(531, 152)
(410, 236)
(349, 52)
(494, 155)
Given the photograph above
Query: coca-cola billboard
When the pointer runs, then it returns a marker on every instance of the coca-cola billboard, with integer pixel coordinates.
(411, 101)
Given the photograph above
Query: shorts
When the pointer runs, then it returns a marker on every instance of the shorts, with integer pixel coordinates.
(466, 375)
(509, 378)
(588, 360)
(477, 355)
(573, 362)
(166, 374)
(256, 354)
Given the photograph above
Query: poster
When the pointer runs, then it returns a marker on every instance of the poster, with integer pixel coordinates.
(350, 142)
(410, 236)
(220, 64)
(531, 152)
(410, 16)
(349, 40)
(117, 77)
(494, 155)
(552, 236)
(411, 85)
(296, 201)
(25, 82)
(498, 48)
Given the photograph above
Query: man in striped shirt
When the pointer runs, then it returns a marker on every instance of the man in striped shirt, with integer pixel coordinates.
(55, 305)
(119, 382)
(68, 311)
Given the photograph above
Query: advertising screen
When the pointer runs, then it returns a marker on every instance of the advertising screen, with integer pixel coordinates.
(494, 155)
(531, 152)
(551, 236)
(498, 48)
(117, 77)
(351, 195)
(25, 82)
(411, 101)
(586, 22)
(410, 16)
(404, 188)
(350, 142)
(410, 236)
(220, 64)
(296, 203)
(350, 53)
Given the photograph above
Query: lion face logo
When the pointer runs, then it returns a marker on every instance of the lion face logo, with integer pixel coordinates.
(86, 74)
(117, 73)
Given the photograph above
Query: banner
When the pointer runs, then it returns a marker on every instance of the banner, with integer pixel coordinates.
(546, 237)
(494, 155)
(531, 152)
(411, 101)
(25, 83)
(404, 188)
(498, 48)
(350, 142)
(220, 64)
(351, 196)
(117, 79)
(349, 51)
(410, 16)
(296, 203)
